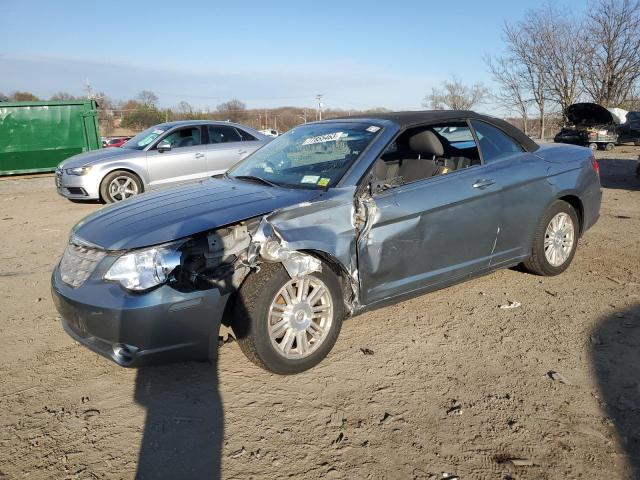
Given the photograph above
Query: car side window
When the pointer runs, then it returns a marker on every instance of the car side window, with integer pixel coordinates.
(427, 151)
(223, 134)
(494, 143)
(184, 137)
(246, 136)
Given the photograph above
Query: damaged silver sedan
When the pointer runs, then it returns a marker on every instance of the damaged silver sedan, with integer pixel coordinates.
(327, 221)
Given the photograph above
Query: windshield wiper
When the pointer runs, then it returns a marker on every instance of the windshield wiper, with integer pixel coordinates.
(254, 178)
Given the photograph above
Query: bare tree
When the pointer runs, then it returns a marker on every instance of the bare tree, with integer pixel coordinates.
(185, 108)
(23, 97)
(512, 89)
(526, 48)
(233, 110)
(147, 98)
(561, 52)
(455, 95)
(612, 67)
(62, 96)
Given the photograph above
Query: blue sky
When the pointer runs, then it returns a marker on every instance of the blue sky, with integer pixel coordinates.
(270, 53)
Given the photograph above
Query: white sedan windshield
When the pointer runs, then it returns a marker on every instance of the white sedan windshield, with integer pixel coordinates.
(144, 138)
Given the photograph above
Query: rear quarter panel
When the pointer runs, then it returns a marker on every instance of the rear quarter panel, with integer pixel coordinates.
(570, 173)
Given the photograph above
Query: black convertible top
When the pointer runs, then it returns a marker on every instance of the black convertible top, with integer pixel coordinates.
(414, 118)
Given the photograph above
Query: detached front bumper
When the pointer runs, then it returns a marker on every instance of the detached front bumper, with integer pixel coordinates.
(160, 326)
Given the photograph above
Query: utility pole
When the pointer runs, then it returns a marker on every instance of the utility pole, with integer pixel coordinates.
(266, 119)
(305, 115)
(87, 88)
(319, 98)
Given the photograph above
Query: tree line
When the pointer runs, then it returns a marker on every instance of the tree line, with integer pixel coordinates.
(554, 58)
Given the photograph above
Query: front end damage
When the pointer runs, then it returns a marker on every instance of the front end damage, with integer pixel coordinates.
(299, 237)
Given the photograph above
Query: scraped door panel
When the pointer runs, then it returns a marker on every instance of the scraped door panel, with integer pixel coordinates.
(526, 192)
(429, 232)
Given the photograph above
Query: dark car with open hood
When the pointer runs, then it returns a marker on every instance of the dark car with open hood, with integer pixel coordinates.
(589, 125)
(327, 221)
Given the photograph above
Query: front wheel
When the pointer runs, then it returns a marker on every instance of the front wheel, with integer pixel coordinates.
(119, 185)
(555, 240)
(288, 325)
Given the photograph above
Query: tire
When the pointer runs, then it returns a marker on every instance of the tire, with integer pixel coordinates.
(593, 146)
(609, 146)
(253, 316)
(130, 182)
(539, 262)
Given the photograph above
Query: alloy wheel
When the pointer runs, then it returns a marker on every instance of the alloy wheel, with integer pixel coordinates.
(300, 317)
(122, 187)
(558, 239)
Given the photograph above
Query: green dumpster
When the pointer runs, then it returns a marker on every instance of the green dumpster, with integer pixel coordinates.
(37, 136)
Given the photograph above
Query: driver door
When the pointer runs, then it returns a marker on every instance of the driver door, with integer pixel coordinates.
(183, 163)
(430, 232)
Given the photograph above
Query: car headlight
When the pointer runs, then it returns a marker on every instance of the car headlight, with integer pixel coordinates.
(78, 170)
(144, 269)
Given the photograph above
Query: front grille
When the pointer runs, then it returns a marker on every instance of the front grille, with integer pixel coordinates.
(78, 262)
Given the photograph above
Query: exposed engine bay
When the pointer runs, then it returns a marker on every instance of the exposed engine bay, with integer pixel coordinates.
(223, 258)
(217, 259)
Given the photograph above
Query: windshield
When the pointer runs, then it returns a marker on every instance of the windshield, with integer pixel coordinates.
(308, 156)
(144, 138)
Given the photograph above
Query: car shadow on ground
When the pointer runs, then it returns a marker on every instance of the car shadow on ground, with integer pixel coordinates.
(615, 353)
(619, 173)
(184, 421)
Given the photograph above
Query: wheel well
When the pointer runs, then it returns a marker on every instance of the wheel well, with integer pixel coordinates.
(339, 270)
(128, 170)
(576, 203)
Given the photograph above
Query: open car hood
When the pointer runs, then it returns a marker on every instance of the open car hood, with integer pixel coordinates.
(158, 217)
(588, 114)
(619, 115)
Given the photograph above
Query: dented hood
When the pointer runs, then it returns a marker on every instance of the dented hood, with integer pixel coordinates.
(166, 215)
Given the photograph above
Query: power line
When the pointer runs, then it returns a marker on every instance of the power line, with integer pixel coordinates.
(208, 97)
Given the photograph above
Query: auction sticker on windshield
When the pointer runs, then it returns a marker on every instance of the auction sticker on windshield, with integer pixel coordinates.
(310, 179)
(329, 137)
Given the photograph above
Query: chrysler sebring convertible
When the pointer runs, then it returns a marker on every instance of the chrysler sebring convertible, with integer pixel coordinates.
(327, 221)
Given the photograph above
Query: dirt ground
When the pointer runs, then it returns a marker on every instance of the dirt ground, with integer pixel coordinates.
(446, 385)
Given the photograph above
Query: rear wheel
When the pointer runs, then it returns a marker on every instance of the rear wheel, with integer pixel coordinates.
(288, 325)
(119, 185)
(609, 146)
(555, 240)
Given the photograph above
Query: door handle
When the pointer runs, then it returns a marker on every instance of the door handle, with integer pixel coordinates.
(199, 155)
(242, 151)
(483, 183)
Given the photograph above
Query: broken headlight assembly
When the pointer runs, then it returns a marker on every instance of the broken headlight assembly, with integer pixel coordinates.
(144, 269)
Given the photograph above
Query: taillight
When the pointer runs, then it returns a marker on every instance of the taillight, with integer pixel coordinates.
(595, 165)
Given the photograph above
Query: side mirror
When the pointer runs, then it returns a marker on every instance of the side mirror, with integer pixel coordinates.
(163, 146)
